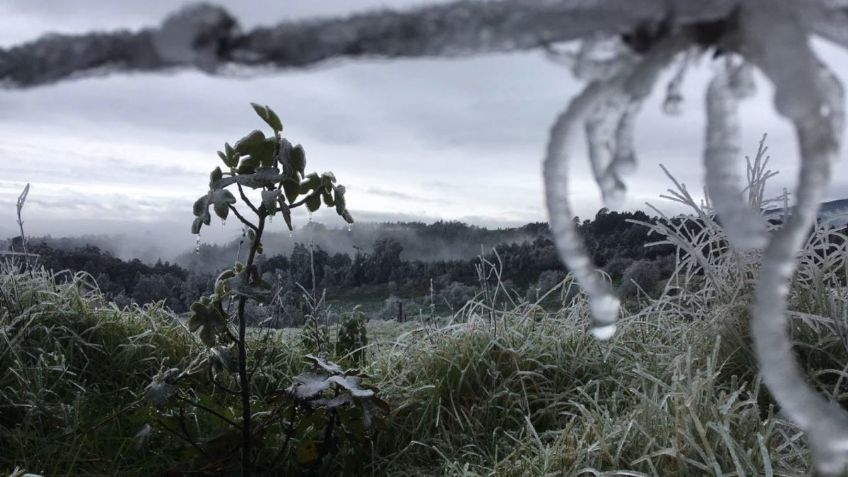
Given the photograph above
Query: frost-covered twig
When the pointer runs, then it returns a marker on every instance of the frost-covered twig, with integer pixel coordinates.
(744, 226)
(208, 38)
(807, 94)
(604, 102)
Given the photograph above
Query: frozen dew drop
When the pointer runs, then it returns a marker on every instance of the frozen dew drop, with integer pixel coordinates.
(223, 223)
(348, 227)
(310, 217)
(197, 245)
(603, 332)
(291, 234)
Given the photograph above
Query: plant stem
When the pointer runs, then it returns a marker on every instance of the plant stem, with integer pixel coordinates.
(244, 379)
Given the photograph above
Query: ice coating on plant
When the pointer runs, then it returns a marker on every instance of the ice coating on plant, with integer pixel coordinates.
(812, 99)
(745, 227)
(606, 108)
(194, 35)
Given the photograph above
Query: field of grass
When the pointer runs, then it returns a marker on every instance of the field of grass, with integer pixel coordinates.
(518, 391)
(503, 387)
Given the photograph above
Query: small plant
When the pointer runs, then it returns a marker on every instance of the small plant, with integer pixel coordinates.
(352, 338)
(277, 170)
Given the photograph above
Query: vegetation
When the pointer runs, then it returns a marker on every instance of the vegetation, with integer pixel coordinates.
(368, 277)
(505, 387)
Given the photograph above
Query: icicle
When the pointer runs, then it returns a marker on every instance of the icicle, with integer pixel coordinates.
(812, 99)
(197, 245)
(745, 227)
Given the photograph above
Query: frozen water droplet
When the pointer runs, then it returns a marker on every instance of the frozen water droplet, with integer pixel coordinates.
(673, 104)
(603, 332)
(291, 234)
(270, 218)
(223, 223)
(310, 217)
(197, 245)
(348, 227)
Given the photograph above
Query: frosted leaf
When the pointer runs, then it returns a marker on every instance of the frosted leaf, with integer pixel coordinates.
(745, 227)
(812, 99)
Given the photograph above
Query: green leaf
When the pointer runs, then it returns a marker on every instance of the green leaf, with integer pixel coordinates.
(221, 288)
(311, 182)
(248, 165)
(215, 176)
(291, 187)
(264, 152)
(269, 116)
(341, 206)
(347, 217)
(313, 202)
(328, 198)
(195, 226)
(269, 200)
(253, 138)
(298, 158)
(248, 284)
(286, 213)
(328, 179)
(200, 205)
(221, 201)
(228, 150)
(208, 317)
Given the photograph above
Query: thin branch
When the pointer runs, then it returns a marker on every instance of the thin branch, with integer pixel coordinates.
(242, 219)
(246, 199)
(183, 438)
(209, 410)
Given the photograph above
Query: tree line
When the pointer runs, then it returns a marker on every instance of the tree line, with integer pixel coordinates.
(615, 243)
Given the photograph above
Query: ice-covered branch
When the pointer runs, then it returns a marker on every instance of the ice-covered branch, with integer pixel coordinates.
(608, 107)
(809, 96)
(744, 226)
(208, 37)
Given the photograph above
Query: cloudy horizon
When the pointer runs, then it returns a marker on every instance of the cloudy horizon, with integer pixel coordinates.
(419, 139)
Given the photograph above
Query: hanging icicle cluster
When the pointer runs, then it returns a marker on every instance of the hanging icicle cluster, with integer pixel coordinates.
(770, 35)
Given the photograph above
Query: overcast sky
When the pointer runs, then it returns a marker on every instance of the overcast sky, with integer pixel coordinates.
(412, 140)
